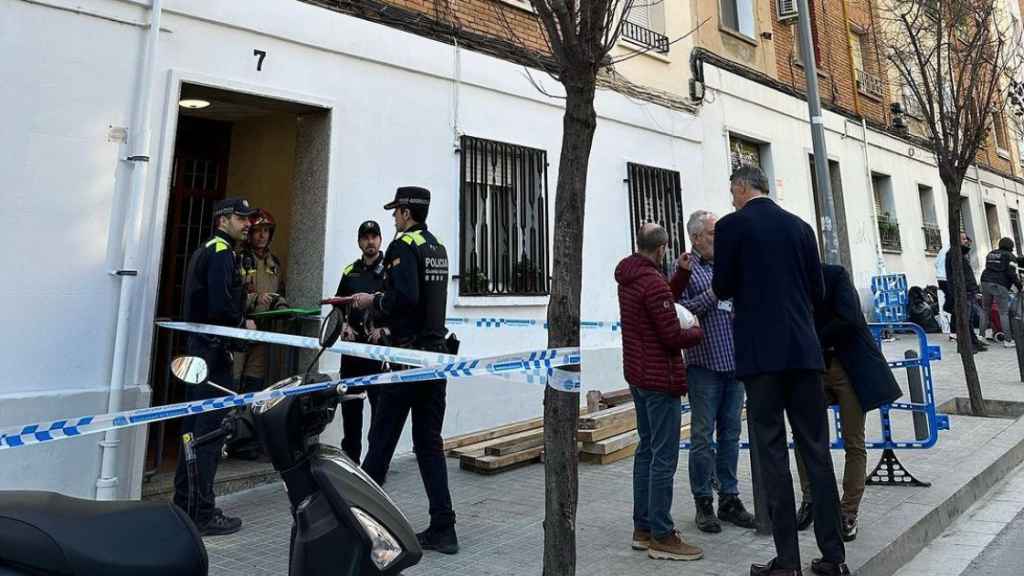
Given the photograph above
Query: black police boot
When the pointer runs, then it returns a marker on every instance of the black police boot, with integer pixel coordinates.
(220, 525)
(805, 516)
(706, 519)
(442, 540)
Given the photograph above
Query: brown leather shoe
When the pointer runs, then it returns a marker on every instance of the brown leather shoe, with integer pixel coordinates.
(822, 567)
(641, 539)
(769, 569)
(672, 547)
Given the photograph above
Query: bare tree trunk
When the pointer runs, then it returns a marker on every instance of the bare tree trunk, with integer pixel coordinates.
(561, 409)
(962, 304)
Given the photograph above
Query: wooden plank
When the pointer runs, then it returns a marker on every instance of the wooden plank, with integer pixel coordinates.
(593, 400)
(626, 412)
(617, 397)
(608, 458)
(613, 444)
(684, 433)
(480, 448)
(492, 463)
(605, 431)
(532, 439)
(491, 433)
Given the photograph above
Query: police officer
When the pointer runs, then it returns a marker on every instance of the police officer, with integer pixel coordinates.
(213, 295)
(365, 275)
(414, 302)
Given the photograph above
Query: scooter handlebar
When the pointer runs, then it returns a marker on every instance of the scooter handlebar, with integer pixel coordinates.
(227, 428)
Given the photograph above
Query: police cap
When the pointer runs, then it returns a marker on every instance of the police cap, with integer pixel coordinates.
(409, 196)
(229, 206)
(369, 227)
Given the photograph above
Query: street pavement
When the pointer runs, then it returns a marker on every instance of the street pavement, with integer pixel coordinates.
(500, 517)
(987, 540)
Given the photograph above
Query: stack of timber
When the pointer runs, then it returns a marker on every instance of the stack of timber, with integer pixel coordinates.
(498, 449)
(606, 434)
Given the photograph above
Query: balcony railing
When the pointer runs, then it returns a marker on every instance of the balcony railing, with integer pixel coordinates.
(932, 238)
(889, 234)
(645, 37)
(871, 85)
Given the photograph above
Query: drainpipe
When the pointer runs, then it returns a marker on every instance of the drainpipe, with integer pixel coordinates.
(880, 259)
(853, 67)
(107, 483)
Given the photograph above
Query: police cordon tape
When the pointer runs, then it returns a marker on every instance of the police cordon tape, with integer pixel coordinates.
(539, 367)
(595, 325)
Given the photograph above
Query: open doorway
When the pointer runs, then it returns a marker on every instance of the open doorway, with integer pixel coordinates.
(273, 153)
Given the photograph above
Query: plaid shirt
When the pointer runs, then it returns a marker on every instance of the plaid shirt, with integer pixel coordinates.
(715, 352)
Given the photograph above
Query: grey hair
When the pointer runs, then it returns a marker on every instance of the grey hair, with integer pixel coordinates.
(651, 237)
(697, 222)
(752, 176)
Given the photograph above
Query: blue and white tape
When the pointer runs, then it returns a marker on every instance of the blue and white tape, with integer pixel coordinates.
(389, 354)
(487, 322)
(541, 366)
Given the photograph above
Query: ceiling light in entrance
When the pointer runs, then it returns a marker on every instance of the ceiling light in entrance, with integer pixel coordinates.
(193, 103)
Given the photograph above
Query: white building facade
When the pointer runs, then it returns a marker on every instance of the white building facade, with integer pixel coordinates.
(320, 116)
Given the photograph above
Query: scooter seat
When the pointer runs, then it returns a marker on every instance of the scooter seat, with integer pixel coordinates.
(48, 533)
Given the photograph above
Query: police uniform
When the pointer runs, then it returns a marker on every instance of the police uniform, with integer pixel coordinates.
(414, 302)
(213, 295)
(355, 278)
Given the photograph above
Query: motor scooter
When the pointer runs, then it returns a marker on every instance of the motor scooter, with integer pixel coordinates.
(344, 524)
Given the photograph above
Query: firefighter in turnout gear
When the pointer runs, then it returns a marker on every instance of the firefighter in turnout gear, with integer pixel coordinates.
(414, 303)
(365, 275)
(213, 295)
(263, 284)
(263, 279)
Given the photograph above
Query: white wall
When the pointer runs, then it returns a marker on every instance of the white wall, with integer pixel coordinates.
(392, 98)
(736, 104)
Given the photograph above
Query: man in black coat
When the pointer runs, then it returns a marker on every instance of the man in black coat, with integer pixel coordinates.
(858, 378)
(766, 261)
(971, 285)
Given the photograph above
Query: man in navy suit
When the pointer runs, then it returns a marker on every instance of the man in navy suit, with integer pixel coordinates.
(766, 261)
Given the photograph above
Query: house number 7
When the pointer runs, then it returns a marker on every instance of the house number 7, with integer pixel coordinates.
(261, 54)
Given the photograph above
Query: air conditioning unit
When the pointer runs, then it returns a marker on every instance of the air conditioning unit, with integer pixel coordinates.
(787, 10)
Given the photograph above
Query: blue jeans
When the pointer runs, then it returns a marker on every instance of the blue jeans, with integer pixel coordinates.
(716, 399)
(654, 466)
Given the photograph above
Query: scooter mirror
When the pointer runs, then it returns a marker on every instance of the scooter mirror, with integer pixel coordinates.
(189, 369)
(330, 330)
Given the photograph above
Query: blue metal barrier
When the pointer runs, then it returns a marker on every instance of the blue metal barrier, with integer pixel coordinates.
(936, 422)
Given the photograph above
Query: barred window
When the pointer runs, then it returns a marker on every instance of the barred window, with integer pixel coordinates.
(503, 219)
(655, 195)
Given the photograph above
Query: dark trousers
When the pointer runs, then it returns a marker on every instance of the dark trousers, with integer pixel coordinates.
(352, 410)
(199, 493)
(799, 396)
(426, 402)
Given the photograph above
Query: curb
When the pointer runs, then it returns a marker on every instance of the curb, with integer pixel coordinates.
(931, 525)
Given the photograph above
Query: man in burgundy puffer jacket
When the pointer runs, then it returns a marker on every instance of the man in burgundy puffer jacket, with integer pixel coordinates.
(652, 343)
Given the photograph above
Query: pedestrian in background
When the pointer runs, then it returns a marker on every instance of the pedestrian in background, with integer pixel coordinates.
(971, 288)
(999, 275)
(652, 340)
